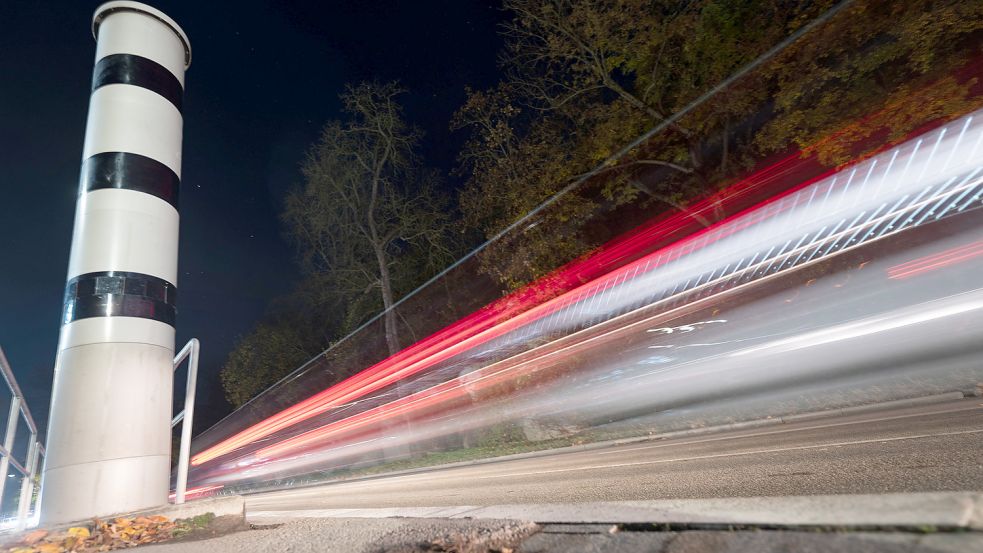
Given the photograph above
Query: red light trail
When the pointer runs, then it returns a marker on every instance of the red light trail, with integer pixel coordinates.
(936, 261)
(559, 289)
(513, 311)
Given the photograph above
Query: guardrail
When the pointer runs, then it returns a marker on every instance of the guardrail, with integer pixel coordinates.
(190, 351)
(35, 450)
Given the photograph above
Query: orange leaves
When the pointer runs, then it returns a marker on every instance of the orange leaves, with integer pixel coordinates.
(119, 533)
(34, 537)
(128, 532)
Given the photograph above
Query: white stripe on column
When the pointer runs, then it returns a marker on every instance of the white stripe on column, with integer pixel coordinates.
(127, 118)
(125, 230)
(121, 330)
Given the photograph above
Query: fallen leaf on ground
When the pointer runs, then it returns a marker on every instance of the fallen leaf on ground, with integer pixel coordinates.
(34, 537)
(106, 536)
(78, 532)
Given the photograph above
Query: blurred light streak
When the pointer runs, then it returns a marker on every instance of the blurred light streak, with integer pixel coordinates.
(936, 261)
(519, 366)
(913, 316)
(437, 347)
(199, 491)
(570, 307)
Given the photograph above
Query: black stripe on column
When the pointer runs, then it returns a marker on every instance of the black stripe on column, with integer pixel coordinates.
(138, 71)
(119, 294)
(130, 171)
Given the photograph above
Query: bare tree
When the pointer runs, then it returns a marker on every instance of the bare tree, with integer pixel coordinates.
(369, 216)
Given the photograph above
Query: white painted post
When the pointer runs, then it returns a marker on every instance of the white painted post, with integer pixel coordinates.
(27, 484)
(187, 416)
(109, 434)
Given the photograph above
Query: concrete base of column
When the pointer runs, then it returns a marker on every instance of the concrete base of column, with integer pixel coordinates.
(127, 485)
(113, 451)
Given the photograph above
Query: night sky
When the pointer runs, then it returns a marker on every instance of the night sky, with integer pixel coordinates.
(265, 77)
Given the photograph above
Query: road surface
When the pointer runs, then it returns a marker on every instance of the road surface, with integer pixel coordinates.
(936, 447)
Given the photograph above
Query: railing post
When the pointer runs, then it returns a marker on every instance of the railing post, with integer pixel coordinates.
(188, 418)
(27, 484)
(18, 408)
(8, 443)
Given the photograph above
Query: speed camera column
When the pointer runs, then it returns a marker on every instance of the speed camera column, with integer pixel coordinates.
(108, 446)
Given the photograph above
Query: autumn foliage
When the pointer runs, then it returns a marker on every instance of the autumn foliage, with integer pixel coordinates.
(118, 533)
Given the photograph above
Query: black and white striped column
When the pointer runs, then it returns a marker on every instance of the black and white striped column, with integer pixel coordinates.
(108, 448)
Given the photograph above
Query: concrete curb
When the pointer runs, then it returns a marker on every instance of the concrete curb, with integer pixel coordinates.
(742, 425)
(220, 506)
(944, 510)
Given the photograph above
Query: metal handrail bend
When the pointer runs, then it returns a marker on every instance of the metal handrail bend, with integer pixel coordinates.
(190, 351)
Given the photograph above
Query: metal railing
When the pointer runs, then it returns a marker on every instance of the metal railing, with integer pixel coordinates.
(189, 351)
(35, 450)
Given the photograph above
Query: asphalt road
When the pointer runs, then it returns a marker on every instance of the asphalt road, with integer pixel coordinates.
(937, 447)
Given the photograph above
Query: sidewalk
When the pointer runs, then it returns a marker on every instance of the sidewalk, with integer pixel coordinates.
(891, 523)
